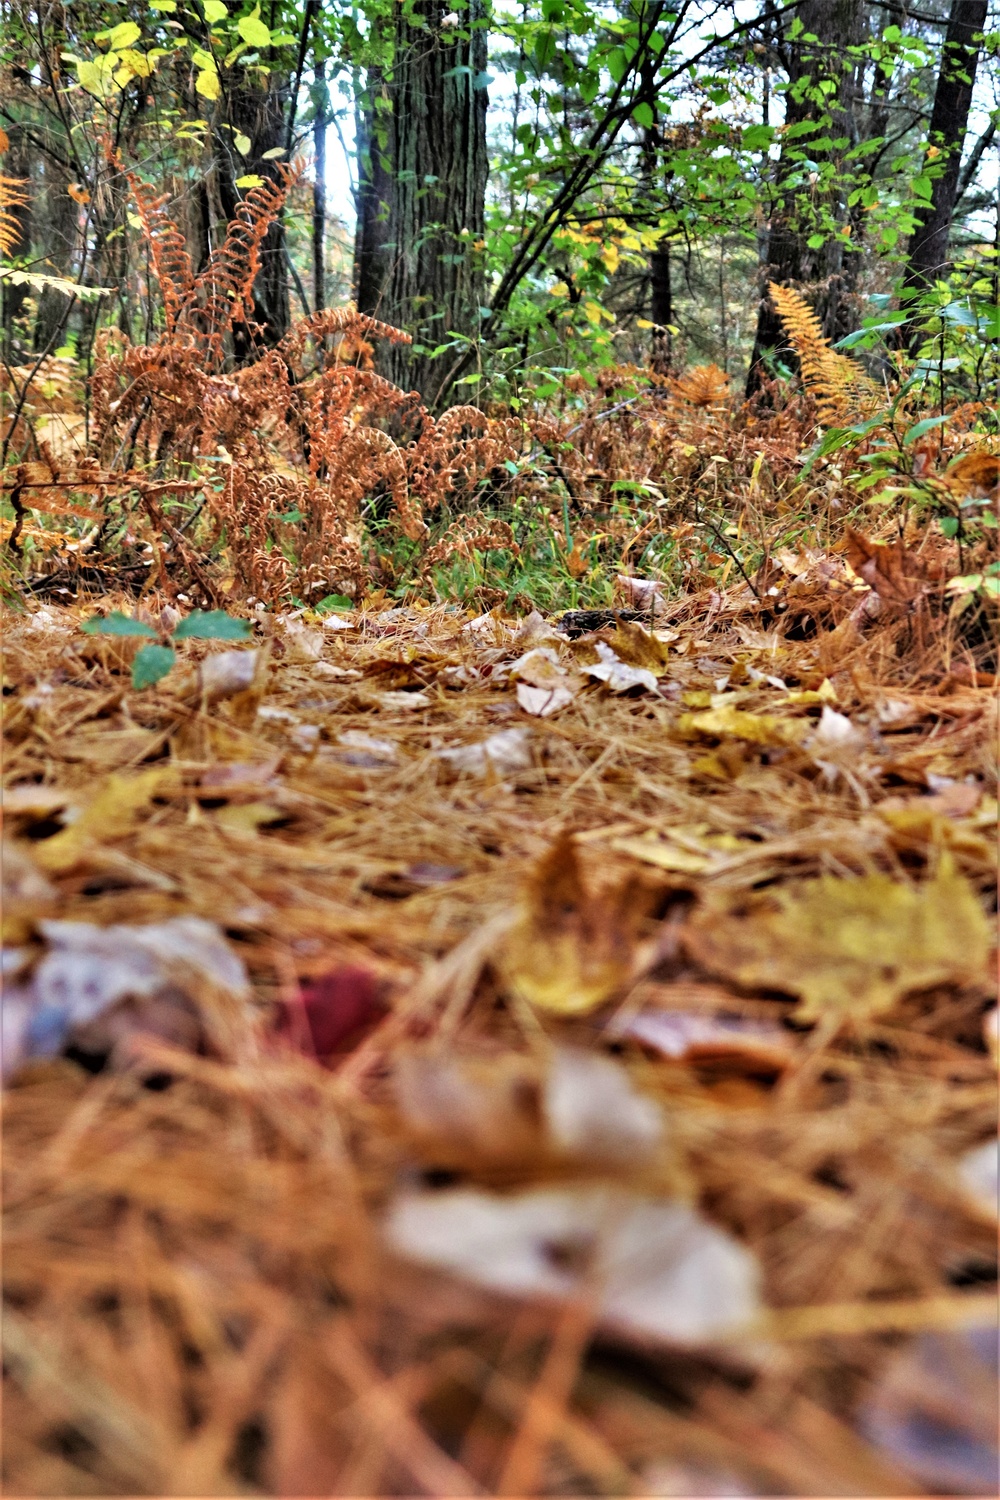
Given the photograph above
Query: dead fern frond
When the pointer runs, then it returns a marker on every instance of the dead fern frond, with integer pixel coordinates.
(705, 385)
(223, 293)
(12, 197)
(839, 385)
(467, 535)
(167, 248)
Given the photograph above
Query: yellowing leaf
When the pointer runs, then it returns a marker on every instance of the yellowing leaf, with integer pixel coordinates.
(849, 947)
(207, 84)
(138, 63)
(91, 77)
(592, 311)
(120, 36)
(110, 815)
(611, 256)
(251, 180)
(252, 29)
(215, 11)
(734, 723)
(653, 850)
(633, 644)
(242, 143)
(571, 950)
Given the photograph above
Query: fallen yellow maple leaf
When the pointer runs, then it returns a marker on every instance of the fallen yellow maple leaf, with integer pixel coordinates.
(109, 815)
(735, 723)
(571, 950)
(849, 946)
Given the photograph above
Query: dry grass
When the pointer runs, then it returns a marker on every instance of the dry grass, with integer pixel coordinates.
(198, 1301)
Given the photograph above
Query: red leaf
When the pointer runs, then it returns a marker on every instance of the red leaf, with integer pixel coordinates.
(332, 1013)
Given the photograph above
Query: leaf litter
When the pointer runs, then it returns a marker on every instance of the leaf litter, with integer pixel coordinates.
(405, 1009)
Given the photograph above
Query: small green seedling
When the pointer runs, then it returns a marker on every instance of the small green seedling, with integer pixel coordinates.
(154, 661)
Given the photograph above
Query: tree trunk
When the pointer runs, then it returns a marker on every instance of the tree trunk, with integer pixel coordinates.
(320, 126)
(831, 270)
(422, 210)
(259, 113)
(928, 248)
(61, 215)
(661, 311)
(18, 165)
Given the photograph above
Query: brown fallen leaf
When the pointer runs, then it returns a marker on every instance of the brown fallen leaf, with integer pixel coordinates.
(975, 474)
(894, 571)
(848, 947)
(572, 949)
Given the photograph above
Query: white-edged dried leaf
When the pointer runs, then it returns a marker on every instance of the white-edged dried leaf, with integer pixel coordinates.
(616, 674)
(656, 1270)
(508, 750)
(979, 1170)
(594, 1111)
(100, 985)
(225, 673)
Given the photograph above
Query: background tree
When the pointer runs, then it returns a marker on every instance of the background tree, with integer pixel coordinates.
(423, 188)
(927, 255)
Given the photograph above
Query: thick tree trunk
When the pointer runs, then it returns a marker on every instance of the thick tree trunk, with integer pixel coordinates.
(61, 216)
(320, 126)
(372, 257)
(661, 310)
(422, 210)
(259, 113)
(18, 164)
(928, 248)
(829, 272)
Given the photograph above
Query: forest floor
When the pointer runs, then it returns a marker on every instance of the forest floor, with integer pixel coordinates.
(584, 1084)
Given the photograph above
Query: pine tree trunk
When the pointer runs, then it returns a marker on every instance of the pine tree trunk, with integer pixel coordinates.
(830, 272)
(928, 248)
(320, 126)
(661, 311)
(422, 210)
(259, 113)
(18, 164)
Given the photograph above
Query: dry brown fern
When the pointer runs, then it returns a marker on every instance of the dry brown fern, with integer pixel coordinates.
(839, 385)
(705, 385)
(13, 197)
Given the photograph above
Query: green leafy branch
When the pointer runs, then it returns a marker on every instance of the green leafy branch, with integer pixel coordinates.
(154, 661)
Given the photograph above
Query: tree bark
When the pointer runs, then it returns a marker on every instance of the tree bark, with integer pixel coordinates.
(928, 248)
(422, 202)
(320, 127)
(259, 113)
(19, 164)
(661, 311)
(830, 271)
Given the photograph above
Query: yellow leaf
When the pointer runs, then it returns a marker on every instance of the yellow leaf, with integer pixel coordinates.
(110, 815)
(611, 256)
(653, 850)
(638, 647)
(139, 63)
(91, 77)
(592, 312)
(571, 950)
(207, 84)
(734, 723)
(849, 947)
(247, 817)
